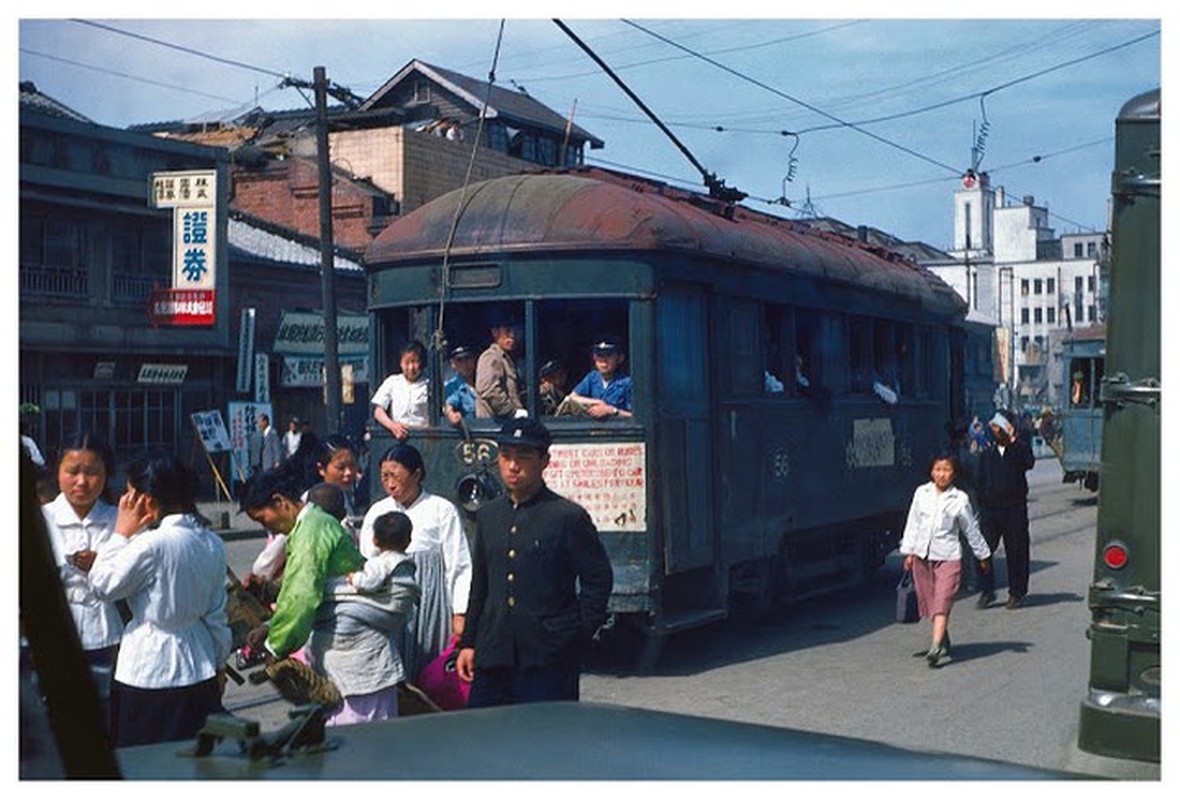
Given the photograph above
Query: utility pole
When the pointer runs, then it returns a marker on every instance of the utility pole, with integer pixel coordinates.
(327, 256)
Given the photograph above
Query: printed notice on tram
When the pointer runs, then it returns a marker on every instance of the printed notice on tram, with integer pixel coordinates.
(608, 480)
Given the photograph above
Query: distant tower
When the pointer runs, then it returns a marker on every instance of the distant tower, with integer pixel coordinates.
(974, 203)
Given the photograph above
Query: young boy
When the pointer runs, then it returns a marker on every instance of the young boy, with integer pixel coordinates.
(606, 390)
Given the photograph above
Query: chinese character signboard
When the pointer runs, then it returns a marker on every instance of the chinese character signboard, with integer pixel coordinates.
(162, 373)
(302, 333)
(211, 429)
(192, 197)
(182, 306)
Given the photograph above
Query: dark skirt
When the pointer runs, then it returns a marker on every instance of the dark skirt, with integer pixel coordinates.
(145, 716)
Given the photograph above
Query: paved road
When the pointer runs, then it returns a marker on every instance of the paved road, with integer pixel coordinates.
(841, 665)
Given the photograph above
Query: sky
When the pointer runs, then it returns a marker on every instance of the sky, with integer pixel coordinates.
(871, 120)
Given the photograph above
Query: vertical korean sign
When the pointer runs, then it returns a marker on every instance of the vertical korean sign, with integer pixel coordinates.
(192, 196)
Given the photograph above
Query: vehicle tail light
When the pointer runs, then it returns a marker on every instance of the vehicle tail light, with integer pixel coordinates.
(1114, 555)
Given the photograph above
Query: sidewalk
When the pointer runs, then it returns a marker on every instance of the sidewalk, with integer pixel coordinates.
(224, 519)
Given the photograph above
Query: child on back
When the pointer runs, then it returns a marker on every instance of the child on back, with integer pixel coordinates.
(391, 537)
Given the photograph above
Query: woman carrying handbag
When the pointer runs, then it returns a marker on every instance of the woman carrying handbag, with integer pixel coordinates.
(938, 514)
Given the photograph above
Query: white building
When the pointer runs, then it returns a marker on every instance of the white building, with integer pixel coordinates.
(1013, 270)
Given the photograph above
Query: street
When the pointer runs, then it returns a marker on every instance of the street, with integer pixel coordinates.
(841, 665)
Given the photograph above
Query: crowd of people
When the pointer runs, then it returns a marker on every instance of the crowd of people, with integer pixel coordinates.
(359, 601)
(488, 385)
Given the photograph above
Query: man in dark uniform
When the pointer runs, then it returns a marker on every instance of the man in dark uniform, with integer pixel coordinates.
(539, 586)
(1003, 507)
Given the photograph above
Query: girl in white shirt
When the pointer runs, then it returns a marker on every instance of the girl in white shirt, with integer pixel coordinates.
(400, 402)
(930, 544)
(80, 520)
(171, 569)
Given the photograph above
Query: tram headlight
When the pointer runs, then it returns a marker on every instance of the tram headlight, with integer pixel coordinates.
(474, 490)
(1114, 555)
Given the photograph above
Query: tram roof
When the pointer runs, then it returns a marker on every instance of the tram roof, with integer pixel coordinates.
(590, 209)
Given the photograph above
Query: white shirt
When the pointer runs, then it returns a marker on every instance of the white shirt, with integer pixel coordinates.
(436, 526)
(291, 442)
(934, 523)
(404, 401)
(173, 577)
(97, 621)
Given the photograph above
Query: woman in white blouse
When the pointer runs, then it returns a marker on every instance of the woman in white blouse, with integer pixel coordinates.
(938, 514)
(438, 546)
(80, 520)
(171, 569)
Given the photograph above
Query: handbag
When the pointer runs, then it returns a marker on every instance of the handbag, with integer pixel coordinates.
(907, 598)
(441, 683)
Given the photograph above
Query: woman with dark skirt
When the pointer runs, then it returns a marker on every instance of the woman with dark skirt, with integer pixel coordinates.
(171, 569)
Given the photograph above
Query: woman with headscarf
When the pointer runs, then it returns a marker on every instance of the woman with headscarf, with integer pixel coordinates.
(438, 546)
(171, 569)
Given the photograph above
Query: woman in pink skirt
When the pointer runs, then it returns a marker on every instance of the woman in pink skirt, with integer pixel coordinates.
(938, 514)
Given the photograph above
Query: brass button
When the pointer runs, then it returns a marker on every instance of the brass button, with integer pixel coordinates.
(511, 601)
(512, 554)
(511, 577)
(512, 529)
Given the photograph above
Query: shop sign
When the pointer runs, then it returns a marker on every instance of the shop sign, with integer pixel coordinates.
(182, 306)
(162, 373)
(308, 371)
(302, 333)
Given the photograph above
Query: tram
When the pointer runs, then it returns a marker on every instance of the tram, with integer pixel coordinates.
(1077, 440)
(1120, 715)
(789, 385)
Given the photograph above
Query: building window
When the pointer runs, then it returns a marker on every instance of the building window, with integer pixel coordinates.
(1050, 285)
(421, 92)
(1024, 316)
(1024, 344)
(1038, 285)
(1077, 284)
(1077, 249)
(1090, 284)
(1090, 313)
(1024, 287)
(1051, 315)
(1091, 249)
(1037, 316)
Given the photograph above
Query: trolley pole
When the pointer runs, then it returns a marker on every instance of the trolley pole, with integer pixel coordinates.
(327, 260)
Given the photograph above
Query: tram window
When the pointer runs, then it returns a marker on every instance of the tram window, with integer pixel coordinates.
(566, 332)
(1080, 382)
(775, 346)
(742, 358)
(860, 354)
(886, 370)
(904, 337)
(808, 334)
(923, 363)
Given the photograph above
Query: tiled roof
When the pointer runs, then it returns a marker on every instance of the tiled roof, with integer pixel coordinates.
(32, 99)
(261, 240)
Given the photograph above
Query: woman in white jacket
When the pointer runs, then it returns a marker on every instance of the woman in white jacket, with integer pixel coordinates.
(80, 520)
(171, 569)
(938, 514)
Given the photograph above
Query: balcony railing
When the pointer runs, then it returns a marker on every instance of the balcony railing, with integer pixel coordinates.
(62, 282)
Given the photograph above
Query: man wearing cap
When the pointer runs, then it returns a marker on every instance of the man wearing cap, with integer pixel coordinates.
(1002, 487)
(459, 390)
(553, 388)
(539, 586)
(606, 390)
(497, 385)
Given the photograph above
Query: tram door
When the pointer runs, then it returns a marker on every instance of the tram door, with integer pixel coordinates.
(685, 453)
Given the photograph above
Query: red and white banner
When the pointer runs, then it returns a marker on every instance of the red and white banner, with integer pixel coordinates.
(182, 306)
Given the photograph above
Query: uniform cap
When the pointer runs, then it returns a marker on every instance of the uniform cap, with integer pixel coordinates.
(525, 432)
